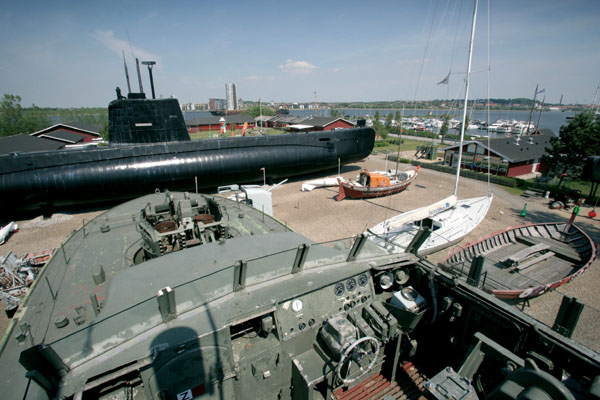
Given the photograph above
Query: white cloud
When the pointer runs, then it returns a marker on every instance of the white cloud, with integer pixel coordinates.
(335, 70)
(254, 79)
(298, 67)
(108, 40)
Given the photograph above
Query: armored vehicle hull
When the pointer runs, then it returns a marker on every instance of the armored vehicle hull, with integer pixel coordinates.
(176, 296)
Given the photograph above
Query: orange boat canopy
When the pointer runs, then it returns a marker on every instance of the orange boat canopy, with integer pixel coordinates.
(372, 179)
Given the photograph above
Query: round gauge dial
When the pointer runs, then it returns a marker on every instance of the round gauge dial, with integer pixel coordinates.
(401, 276)
(296, 305)
(409, 293)
(363, 280)
(351, 284)
(338, 289)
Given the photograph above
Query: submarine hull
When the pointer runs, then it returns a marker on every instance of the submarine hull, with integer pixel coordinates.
(65, 177)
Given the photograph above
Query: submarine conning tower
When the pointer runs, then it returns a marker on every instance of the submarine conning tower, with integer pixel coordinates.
(135, 119)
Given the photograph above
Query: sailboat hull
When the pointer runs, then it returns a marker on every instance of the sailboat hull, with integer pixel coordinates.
(449, 225)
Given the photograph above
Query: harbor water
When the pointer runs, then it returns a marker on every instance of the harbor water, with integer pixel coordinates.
(548, 119)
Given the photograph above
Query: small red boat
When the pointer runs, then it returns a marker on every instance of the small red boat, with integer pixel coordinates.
(375, 184)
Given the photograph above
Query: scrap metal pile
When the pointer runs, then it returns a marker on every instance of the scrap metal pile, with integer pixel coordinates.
(18, 273)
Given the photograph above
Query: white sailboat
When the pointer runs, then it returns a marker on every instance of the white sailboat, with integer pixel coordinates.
(449, 219)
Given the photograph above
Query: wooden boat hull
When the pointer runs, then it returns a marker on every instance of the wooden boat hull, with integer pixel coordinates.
(528, 260)
(353, 191)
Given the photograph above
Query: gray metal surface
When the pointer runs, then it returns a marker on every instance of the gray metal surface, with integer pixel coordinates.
(221, 301)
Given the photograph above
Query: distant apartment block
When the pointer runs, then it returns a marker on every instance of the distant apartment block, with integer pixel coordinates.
(194, 107)
(217, 104)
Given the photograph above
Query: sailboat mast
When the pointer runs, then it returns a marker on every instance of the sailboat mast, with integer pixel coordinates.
(540, 114)
(464, 119)
(489, 71)
(532, 105)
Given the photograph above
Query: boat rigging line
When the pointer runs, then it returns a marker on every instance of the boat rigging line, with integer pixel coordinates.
(423, 63)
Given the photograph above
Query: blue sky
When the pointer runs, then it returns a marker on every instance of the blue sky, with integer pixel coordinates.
(68, 54)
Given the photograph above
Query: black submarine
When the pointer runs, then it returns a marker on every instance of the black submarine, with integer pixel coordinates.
(150, 148)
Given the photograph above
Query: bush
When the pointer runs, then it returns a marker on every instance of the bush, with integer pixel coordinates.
(394, 141)
(381, 143)
(521, 183)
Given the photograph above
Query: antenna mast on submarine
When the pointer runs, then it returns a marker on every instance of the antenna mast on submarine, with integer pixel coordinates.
(137, 64)
(126, 73)
(150, 64)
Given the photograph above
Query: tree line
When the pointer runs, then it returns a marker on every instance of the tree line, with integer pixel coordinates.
(15, 119)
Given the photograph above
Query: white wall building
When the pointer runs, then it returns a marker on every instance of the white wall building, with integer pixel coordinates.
(231, 96)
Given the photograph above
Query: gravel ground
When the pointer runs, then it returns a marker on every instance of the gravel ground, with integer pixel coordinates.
(318, 216)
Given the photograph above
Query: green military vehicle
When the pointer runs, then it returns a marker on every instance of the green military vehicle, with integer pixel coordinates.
(181, 296)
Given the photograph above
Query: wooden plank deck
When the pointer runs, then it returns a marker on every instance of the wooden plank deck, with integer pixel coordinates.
(562, 250)
(534, 261)
(543, 269)
(524, 254)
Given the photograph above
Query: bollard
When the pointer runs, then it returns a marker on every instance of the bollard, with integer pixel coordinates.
(524, 212)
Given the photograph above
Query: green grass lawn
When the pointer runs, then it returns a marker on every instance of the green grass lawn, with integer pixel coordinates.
(407, 145)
